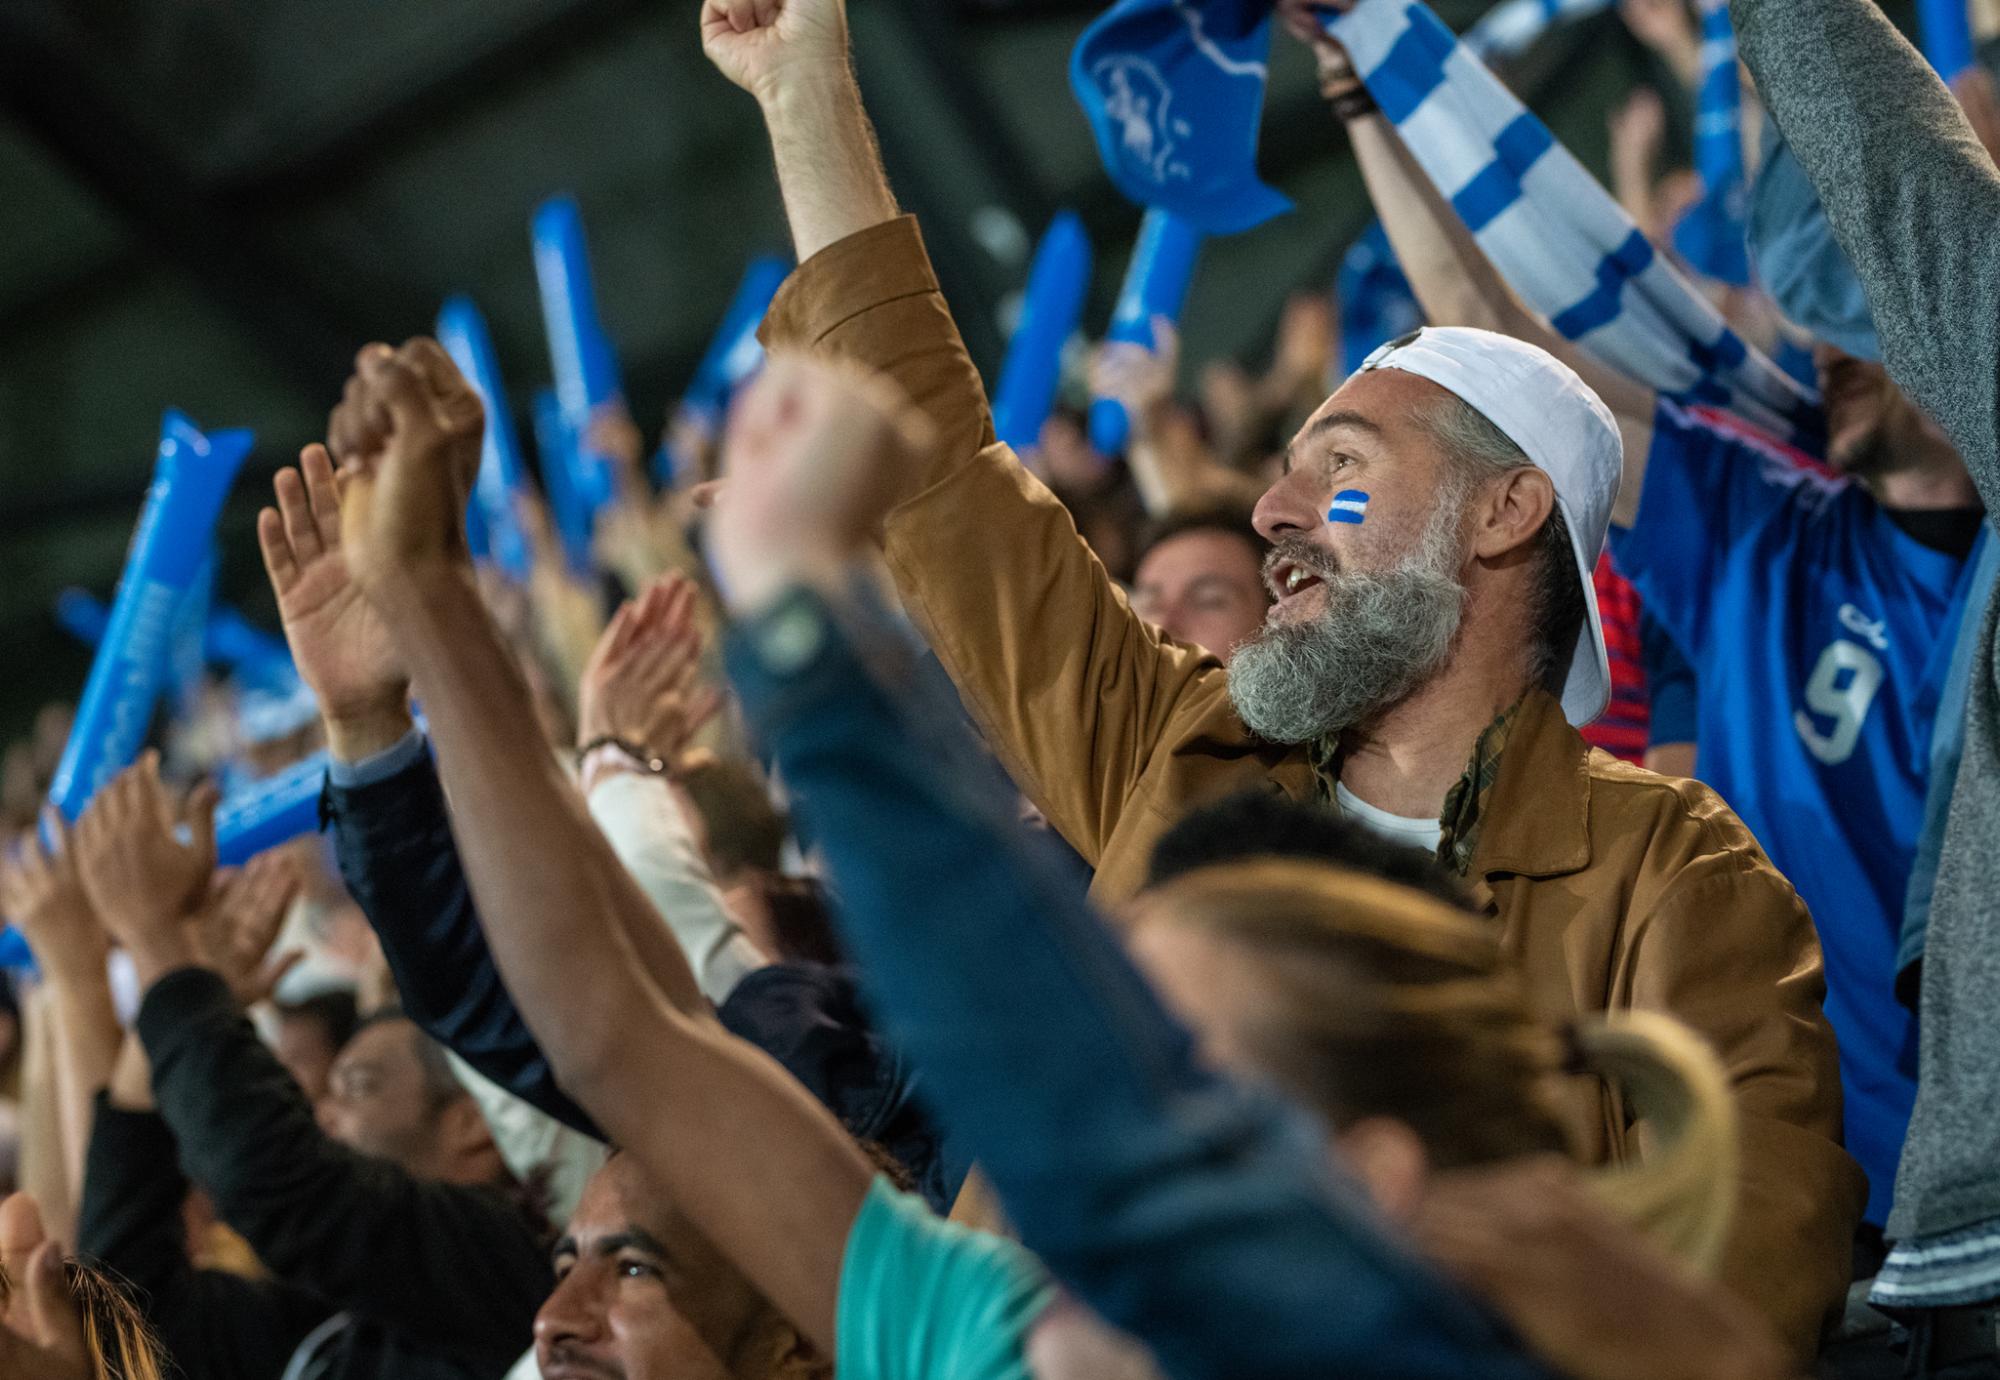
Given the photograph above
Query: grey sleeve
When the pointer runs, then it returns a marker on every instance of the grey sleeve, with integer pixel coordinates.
(1911, 195)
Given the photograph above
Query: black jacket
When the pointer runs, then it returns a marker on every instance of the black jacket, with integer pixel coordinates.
(401, 864)
(436, 1281)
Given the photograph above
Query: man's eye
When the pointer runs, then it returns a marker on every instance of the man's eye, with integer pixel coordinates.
(637, 1269)
(563, 1267)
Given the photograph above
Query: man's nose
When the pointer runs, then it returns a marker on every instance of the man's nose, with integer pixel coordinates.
(1288, 507)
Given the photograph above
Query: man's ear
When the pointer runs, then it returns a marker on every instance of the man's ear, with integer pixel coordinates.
(1511, 512)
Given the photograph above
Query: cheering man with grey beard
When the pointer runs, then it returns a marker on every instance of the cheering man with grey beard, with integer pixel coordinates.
(1434, 643)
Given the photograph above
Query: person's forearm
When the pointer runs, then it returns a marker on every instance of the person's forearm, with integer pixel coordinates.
(87, 1036)
(1454, 282)
(557, 908)
(511, 803)
(396, 853)
(1632, 184)
(131, 1087)
(1457, 285)
(829, 168)
(130, 1214)
(1912, 197)
(44, 1167)
(351, 738)
(1121, 1117)
(1152, 476)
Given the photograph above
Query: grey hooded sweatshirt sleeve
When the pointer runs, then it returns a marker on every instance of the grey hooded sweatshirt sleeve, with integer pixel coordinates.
(1915, 202)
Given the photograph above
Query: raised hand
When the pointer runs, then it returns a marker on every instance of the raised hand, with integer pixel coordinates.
(1639, 126)
(342, 650)
(41, 893)
(407, 435)
(639, 687)
(239, 922)
(1668, 29)
(142, 879)
(1304, 356)
(1302, 20)
(1138, 376)
(811, 458)
(41, 1325)
(766, 45)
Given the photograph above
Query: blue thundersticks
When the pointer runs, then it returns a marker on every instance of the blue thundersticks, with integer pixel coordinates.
(1058, 281)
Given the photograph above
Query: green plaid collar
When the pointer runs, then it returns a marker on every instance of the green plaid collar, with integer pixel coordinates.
(1464, 805)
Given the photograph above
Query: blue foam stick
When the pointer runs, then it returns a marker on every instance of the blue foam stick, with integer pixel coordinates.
(1946, 31)
(187, 658)
(1156, 284)
(462, 331)
(477, 539)
(586, 374)
(230, 640)
(192, 474)
(733, 355)
(191, 478)
(262, 815)
(82, 615)
(566, 508)
(1057, 284)
(274, 810)
(255, 656)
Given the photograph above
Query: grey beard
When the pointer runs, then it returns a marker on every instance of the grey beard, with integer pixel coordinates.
(1381, 635)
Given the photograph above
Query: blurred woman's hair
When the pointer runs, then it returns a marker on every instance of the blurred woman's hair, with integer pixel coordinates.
(119, 1343)
(1379, 1001)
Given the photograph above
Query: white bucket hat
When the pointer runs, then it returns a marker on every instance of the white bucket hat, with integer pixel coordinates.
(1559, 424)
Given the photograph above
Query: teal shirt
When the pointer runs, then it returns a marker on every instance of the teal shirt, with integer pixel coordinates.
(922, 1298)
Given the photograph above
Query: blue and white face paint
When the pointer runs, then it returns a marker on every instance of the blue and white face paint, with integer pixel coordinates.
(1350, 506)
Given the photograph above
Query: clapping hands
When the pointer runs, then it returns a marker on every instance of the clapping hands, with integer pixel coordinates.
(640, 686)
(143, 878)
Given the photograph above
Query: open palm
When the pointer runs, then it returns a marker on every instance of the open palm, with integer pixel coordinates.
(342, 649)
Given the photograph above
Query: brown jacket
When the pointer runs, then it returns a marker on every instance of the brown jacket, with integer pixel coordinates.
(1616, 888)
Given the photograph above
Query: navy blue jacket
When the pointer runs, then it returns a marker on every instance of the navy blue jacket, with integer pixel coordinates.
(1196, 1212)
(401, 863)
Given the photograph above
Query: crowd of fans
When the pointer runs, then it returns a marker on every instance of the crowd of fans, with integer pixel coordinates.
(1468, 866)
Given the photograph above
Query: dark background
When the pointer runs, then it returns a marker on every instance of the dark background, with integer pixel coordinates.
(211, 204)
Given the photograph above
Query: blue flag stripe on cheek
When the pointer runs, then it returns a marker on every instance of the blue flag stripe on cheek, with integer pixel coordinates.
(1349, 505)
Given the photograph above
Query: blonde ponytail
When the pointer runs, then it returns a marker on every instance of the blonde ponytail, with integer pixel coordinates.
(1377, 1000)
(1682, 1191)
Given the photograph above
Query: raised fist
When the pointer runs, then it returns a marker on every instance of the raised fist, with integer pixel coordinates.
(812, 457)
(766, 45)
(407, 435)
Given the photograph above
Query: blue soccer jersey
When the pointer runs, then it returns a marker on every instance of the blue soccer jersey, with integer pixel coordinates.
(1820, 635)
